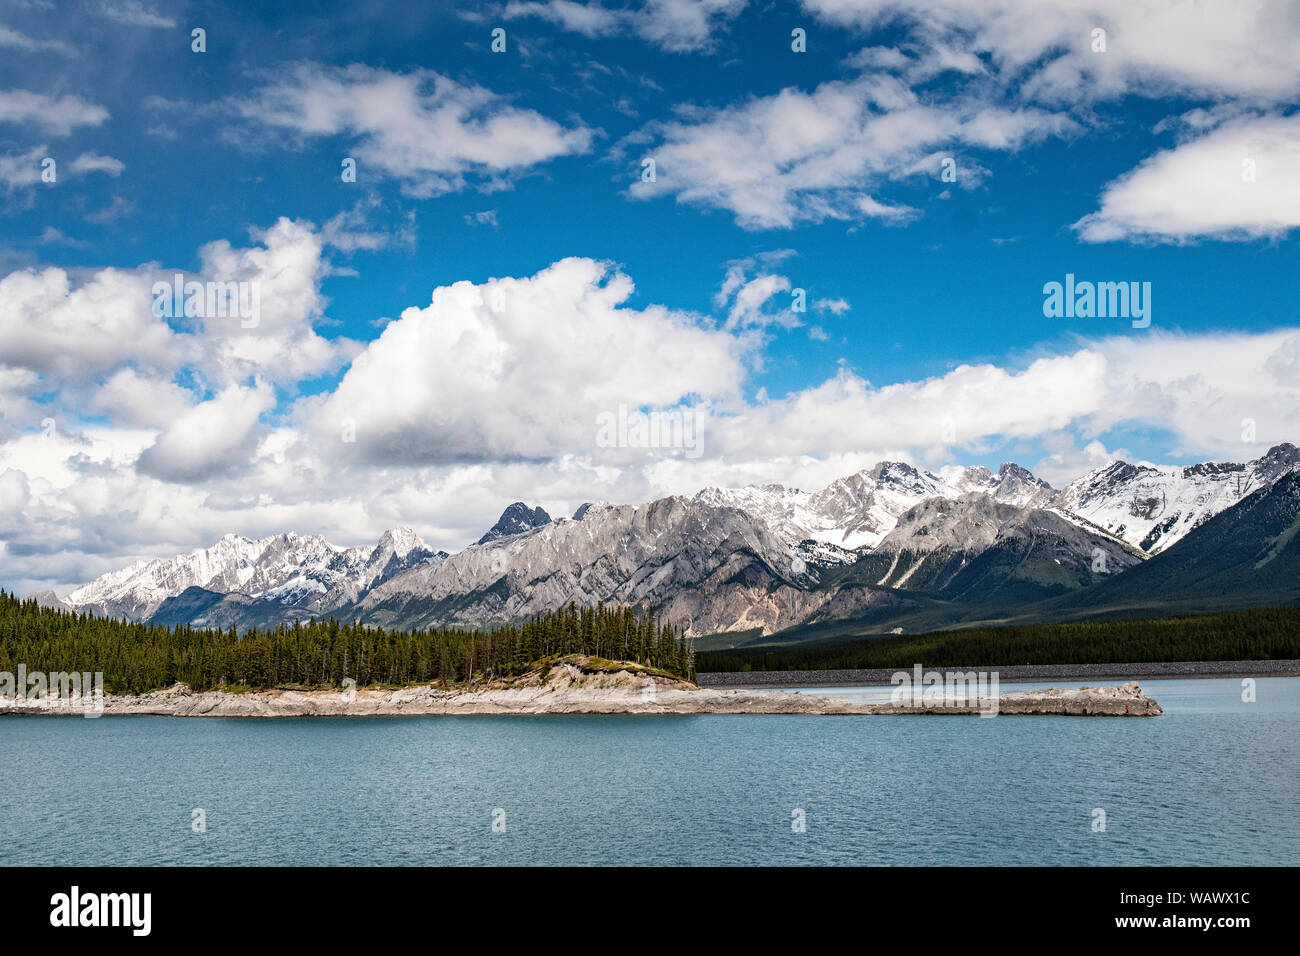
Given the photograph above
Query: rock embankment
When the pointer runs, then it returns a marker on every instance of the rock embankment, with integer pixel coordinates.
(1126, 700)
(1016, 672)
(577, 686)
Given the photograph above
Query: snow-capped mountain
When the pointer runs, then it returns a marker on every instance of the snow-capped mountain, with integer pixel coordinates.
(287, 569)
(1152, 506)
(1245, 556)
(1012, 485)
(856, 512)
(709, 567)
(762, 557)
(976, 548)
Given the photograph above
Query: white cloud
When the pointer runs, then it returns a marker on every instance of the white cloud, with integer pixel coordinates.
(747, 298)
(286, 266)
(129, 398)
(17, 40)
(1044, 47)
(426, 131)
(1238, 181)
(74, 328)
(678, 26)
(57, 115)
(874, 209)
(685, 25)
(795, 157)
(211, 438)
(95, 163)
(135, 13)
(21, 170)
(519, 369)
(1066, 461)
(747, 306)
(589, 19)
(53, 328)
(481, 398)
(50, 236)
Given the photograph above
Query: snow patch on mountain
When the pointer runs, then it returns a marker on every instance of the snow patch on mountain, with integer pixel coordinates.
(290, 569)
(855, 513)
(1154, 506)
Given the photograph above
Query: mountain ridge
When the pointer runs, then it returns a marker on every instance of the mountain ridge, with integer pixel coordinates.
(890, 539)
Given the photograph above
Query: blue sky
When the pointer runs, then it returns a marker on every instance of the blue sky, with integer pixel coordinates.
(817, 170)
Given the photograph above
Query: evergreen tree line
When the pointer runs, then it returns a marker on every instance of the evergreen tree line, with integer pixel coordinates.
(1260, 634)
(136, 657)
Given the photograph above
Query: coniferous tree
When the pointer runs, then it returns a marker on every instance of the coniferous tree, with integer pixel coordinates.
(136, 657)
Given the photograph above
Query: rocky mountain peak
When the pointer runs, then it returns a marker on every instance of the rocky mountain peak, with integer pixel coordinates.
(1277, 461)
(1010, 469)
(400, 541)
(895, 472)
(516, 519)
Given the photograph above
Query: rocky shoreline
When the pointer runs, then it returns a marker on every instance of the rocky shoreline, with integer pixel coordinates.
(574, 687)
(1164, 670)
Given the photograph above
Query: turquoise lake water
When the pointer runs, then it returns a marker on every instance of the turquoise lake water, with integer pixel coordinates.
(1214, 781)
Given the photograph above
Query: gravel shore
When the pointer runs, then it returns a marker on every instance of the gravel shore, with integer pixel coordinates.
(573, 686)
(1019, 672)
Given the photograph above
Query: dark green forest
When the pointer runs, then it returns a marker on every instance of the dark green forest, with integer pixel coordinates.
(1263, 634)
(138, 657)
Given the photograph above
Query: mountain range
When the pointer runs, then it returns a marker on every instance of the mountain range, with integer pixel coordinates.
(889, 547)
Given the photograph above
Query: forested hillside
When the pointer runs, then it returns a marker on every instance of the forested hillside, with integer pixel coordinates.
(1265, 634)
(137, 657)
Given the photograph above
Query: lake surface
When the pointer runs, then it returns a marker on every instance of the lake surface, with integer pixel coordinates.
(1211, 782)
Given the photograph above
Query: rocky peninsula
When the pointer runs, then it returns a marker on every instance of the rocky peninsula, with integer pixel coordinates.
(580, 685)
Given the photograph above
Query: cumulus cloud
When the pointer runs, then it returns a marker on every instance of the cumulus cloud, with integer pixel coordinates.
(492, 393)
(519, 369)
(94, 345)
(847, 412)
(1237, 181)
(285, 267)
(73, 328)
(51, 327)
(211, 438)
(425, 130)
(130, 398)
(793, 157)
